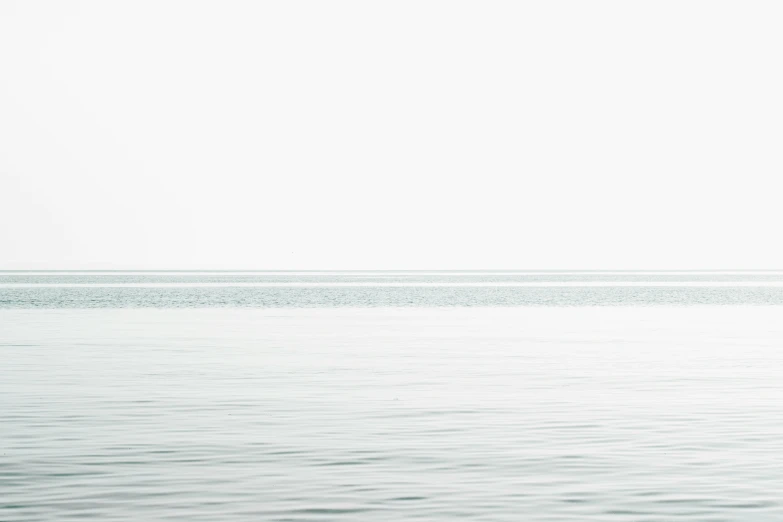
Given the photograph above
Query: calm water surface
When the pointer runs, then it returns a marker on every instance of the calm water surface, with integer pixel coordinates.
(313, 409)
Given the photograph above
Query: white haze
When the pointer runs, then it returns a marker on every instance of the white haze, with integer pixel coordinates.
(390, 134)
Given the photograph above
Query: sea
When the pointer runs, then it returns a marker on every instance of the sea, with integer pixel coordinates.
(391, 396)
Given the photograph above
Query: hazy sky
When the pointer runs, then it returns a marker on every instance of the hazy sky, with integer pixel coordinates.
(391, 134)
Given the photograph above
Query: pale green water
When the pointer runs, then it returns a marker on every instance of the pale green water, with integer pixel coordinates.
(385, 289)
(305, 413)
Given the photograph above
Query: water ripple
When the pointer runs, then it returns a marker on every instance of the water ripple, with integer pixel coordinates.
(604, 414)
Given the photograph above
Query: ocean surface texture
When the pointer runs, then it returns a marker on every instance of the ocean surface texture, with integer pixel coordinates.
(485, 396)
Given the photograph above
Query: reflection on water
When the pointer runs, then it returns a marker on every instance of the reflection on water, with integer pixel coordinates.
(621, 414)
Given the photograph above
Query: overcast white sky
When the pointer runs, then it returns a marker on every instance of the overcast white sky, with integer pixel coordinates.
(390, 134)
